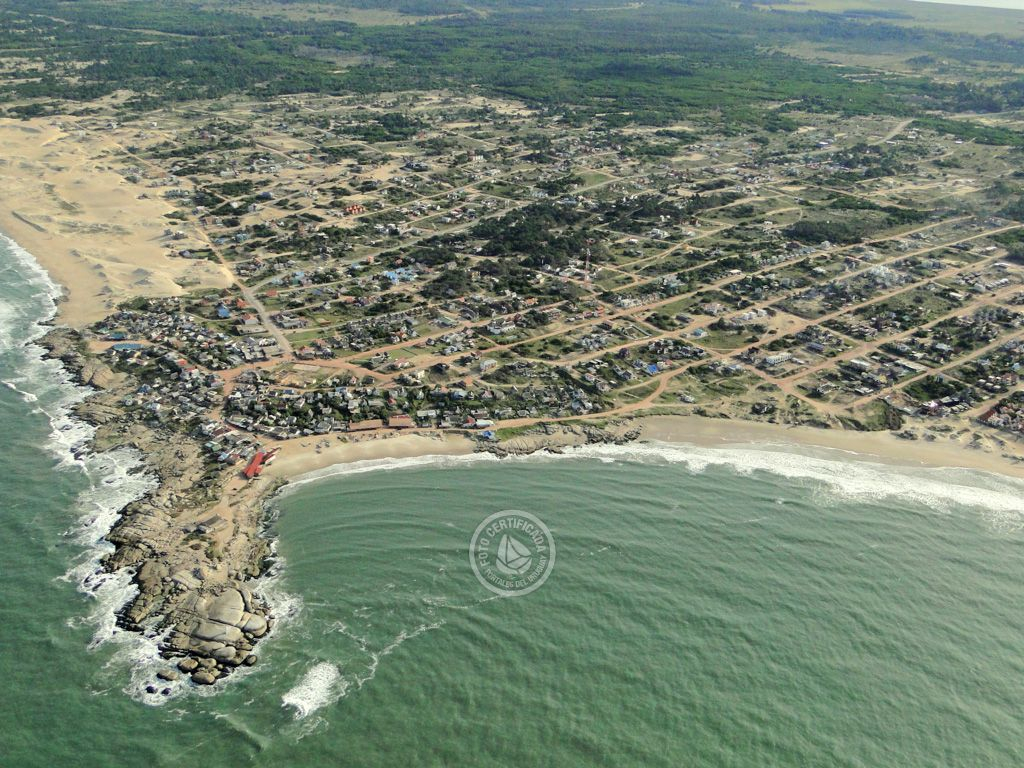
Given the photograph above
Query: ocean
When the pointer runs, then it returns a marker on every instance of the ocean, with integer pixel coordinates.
(751, 606)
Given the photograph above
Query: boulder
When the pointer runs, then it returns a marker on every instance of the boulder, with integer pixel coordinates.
(255, 625)
(227, 608)
(167, 674)
(151, 575)
(188, 665)
(202, 677)
(217, 632)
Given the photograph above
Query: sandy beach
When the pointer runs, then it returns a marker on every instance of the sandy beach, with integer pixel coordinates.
(302, 456)
(884, 447)
(64, 198)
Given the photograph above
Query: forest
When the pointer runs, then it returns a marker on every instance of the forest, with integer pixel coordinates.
(641, 65)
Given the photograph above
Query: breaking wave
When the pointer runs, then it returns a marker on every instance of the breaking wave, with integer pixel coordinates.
(114, 478)
(324, 683)
(835, 475)
(321, 685)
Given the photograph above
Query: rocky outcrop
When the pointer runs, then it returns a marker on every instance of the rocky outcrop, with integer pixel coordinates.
(553, 438)
(191, 583)
(222, 626)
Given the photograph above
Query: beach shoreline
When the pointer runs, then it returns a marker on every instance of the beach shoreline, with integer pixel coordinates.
(944, 451)
(300, 459)
(205, 606)
(102, 243)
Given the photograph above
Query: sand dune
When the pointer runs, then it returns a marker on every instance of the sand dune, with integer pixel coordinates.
(62, 200)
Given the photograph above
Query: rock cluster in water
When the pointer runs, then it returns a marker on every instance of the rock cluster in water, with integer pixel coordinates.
(191, 590)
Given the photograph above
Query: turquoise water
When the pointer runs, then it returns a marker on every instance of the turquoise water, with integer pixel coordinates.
(749, 607)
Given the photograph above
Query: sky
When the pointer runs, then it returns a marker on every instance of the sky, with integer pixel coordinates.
(1017, 5)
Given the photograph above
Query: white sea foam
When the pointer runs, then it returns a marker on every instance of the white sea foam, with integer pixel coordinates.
(838, 475)
(114, 479)
(834, 475)
(377, 465)
(30, 297)
(283, 606)
(321, 685)
(28, 397)
(112, 485)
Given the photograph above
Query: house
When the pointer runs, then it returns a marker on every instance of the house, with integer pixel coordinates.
(365, 425)
(500, 327)
(211, 524)
(772, 360)
(401, 421)
(400, 275)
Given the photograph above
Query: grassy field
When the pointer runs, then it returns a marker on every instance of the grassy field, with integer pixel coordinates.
(313, 11)
(941, 16)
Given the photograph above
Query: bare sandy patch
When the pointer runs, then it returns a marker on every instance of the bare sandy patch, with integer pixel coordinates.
(63, 199)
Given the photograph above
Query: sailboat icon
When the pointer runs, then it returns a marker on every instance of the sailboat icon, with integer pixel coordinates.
(513, 557)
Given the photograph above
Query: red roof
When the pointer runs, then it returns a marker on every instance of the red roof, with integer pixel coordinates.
(255, 465)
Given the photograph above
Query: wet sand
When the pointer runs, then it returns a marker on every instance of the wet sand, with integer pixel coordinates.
(299, 457)
(883, 447)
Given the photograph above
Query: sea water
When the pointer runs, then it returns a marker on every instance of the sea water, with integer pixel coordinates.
(754, 606)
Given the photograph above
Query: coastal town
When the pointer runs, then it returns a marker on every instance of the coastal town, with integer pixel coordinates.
(326, 279)
(449, 263)
(511, 383)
